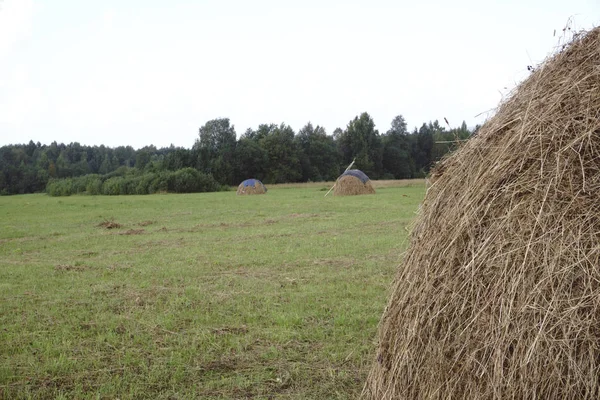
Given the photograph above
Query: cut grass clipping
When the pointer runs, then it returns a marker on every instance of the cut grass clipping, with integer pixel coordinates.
(353, 182)
(499, 291)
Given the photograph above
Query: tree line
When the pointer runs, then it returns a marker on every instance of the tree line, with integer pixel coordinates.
(272, 153)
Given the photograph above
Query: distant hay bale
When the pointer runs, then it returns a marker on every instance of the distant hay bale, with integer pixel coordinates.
(251, 186)
(498, 296)
(353, 182)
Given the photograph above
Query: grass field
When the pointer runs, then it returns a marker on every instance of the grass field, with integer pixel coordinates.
(210, 296)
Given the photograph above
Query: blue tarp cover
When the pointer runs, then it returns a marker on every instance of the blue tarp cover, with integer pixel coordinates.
(358, 174)
(252, 182)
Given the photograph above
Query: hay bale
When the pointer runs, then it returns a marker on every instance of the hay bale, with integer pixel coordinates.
(498, 295)
(251, 186)
(353, 182)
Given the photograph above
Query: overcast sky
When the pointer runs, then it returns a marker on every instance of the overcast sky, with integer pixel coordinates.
(140, 72)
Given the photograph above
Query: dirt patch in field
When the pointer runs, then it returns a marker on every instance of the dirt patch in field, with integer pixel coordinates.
(120, 329)
(230, 330)
(145, 223)
(86, 326)
(109, 225)
(66, 267)
(133, 232)
(225, 365)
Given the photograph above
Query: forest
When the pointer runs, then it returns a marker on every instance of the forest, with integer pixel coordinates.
(219, 159)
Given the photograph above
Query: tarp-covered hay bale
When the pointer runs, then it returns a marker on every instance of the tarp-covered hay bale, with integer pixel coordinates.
(251, 186)
(353, 182)
(498, 296)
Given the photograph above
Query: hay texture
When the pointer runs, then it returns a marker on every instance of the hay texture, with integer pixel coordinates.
(498, 296)
(251, 186)
(353, 182)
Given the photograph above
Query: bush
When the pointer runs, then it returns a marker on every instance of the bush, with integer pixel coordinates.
(125, 181)
(144, 183)
(94, 186)
(60, 187)
(207, 183)
(114, 186)
(159, 183)
(83, 184)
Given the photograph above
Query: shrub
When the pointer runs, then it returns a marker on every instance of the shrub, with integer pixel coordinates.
(94, 186)
(114, 186)
(125, 181)
(60, 187)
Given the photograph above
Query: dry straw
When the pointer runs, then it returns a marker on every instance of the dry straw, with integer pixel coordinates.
(348, 185)
(498, 296)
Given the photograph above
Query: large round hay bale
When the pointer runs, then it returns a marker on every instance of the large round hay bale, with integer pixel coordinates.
(353, 182)
(498, 296)
(251, 186)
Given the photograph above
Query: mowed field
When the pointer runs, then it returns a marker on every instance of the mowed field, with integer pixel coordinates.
(209, 296)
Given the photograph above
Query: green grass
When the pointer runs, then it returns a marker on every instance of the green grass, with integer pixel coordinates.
(196, 296)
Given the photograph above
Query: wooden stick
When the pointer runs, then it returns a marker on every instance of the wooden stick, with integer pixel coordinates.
(347, 168)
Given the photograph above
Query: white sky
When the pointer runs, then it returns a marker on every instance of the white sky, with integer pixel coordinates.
(140, 72)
